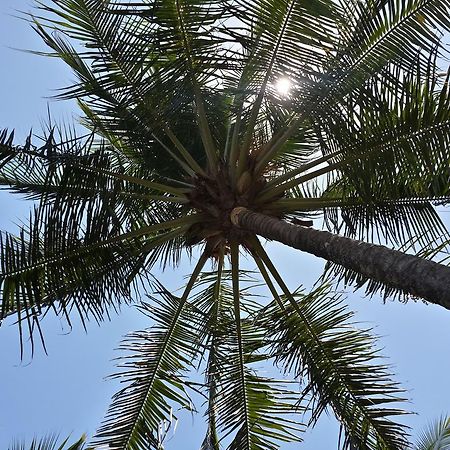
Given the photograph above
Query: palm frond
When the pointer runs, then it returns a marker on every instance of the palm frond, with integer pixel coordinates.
(267, 37)
(80, 263)
(252, 407)
(393, 136)
(270, 28)
(42, 270)
(154, 372)
(213, 297)
(314, 339)
(381, 44)
(436, 436)
(135, 79)
(379, 34)
(97, 226)
(267, 416)
(407, 130)
(386, 156)
(50, 443)
(75, 168)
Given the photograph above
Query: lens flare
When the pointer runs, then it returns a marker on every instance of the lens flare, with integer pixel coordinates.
(283, 86)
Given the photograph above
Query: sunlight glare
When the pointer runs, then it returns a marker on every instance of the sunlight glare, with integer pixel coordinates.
(283, 86)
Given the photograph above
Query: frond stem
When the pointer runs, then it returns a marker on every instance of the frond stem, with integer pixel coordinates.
(257, 105)
(234, 247)
(205, 131)
(193, 164)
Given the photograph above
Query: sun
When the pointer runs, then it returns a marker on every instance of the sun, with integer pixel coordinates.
(283, 86)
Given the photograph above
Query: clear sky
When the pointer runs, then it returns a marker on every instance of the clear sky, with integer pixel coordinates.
(66, 392)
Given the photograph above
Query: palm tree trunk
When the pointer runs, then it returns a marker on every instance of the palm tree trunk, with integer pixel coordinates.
(411, 274)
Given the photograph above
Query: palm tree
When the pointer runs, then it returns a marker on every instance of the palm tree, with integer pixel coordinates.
(213, 122)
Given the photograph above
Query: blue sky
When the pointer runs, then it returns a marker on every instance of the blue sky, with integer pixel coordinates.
(66, 392)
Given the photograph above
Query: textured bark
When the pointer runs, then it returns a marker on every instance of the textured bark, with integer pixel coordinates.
(416, 276)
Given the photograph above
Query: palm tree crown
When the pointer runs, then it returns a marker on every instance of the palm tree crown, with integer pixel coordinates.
(189, 126)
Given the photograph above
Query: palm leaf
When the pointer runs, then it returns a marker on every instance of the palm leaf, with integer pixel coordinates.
(154, 372)
(267, 416)
(378, 128)
(95, 229)
(50, 443)
(213, 298)
(384, 34)
(252, 407)
(270, 54)
(436, 436)
(145, 73)
(73, 169)
(313, 338)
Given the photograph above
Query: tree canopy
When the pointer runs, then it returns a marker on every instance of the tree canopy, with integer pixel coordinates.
(294, 110)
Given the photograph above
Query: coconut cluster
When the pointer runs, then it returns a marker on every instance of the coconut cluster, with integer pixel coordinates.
(216, 196)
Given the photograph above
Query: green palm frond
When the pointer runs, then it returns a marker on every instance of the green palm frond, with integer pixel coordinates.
(97, 226)
(213, 297)
(386, 27)
(351, 71)
(344, 377)
(436, 436)
(267, 415)
(313, 338)
(82, 278)
(72, 170)
(50, 443)
(377, 131)
(154, 372)
(393, 143)
(136, 79)
(269, 55)
(256, 406)
(402, 145)
(245, 409)
(376, 34)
